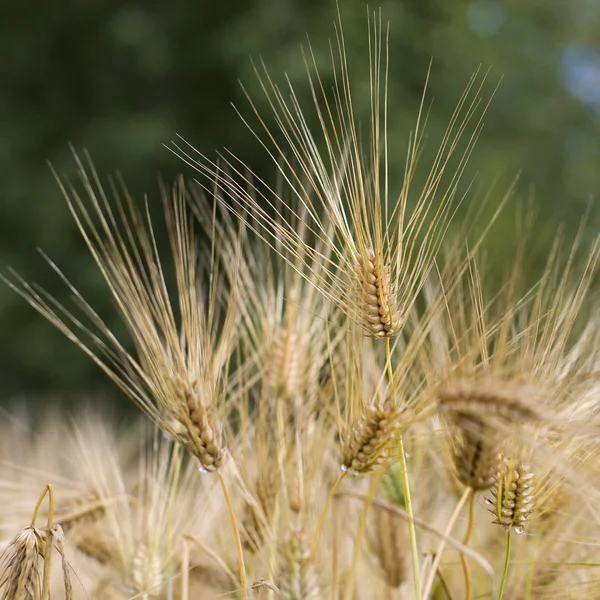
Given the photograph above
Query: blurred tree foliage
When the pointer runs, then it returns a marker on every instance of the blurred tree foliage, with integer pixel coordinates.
(123, 78)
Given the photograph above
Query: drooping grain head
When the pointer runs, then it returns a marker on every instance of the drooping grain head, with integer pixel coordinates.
(476, 453)
(480, 415)
(376, 294)
(370, 442)
(512, 495)
(21, 566)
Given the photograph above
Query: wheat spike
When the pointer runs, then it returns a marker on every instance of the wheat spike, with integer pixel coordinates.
(512, 494)
(299, 579)
(21, 566)
(476, 453)
(382, 318)
(370, 441)
(388, 542)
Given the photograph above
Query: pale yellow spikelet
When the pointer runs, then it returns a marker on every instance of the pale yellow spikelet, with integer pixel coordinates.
(285, 360)
(21, 566)
(299, 579)
(388, 542)
(513, 494)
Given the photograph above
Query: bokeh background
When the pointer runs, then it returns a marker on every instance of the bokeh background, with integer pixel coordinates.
(121, 79)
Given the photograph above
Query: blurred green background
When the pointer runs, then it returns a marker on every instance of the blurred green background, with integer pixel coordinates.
(121, 79)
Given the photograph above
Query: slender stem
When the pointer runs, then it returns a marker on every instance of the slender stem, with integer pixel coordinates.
(49, 537)
(321, 519)
(362, 525)
(463, 558)
(412, 530)
(185, 570)
(238, 539)
(50, 491)
(506, 563)
(442, 545)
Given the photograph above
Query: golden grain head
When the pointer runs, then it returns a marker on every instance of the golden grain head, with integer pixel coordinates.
(371, 441)
(382, 317)
(512, 495)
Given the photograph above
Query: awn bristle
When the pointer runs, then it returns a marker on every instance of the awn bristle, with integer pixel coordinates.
(285, 366)
(388, 542)
(86, 509)
(204, 436)
(513, 494)
(21, 566)
(381, 315)
(369, 443)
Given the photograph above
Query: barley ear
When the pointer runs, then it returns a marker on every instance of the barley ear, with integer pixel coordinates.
(370, 441)
(513, 494)
(376, 296)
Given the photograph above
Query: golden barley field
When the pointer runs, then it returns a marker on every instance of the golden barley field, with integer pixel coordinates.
(335, 400)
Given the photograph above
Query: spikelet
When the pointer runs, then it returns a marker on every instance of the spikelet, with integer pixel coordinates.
(382, 317)
(285, 360)
(370, 442)
(389, 544)
(21, 566)
(299, 579)
(258, 515)
(513, 496)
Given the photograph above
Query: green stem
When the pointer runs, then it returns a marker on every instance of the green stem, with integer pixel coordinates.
(506, 562)
(412, 531)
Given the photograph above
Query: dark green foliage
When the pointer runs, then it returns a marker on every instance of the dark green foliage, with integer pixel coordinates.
(121, 79)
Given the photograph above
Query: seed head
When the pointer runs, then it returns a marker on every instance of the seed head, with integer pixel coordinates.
(512, 494)
(370, 441)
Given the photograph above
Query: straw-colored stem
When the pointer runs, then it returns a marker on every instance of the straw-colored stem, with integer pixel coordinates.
(360, 532)
(442, 544)
(412, 530)
(506, 563)
(185, 570)
(50, 491)
(49, 537)
(463, 558)
(321, 519)
(238, 539)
